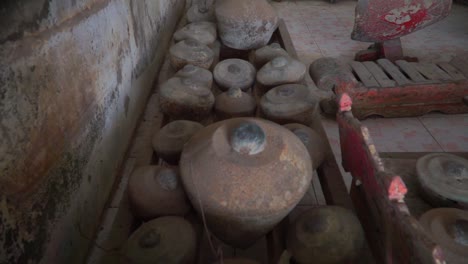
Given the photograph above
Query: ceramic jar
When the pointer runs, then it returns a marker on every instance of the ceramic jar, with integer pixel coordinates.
(234, 103)
(203, 32)
(234, 73)
(280, 70)
(314, 143)
(198, 75)
(265, 54)
(190, 51)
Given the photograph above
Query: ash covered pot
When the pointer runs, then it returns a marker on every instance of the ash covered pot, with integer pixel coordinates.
(156, 191)
(203, 32)
(280, 70)
(248, 174)
(170, 140)
(167, 239)
(265, 54)
(312, 141)
(190, 51)
(185, 98)
(328, 235)
(203, 11)
(234, 73)
(289, 103)
(234, 103)
(197, 75)
(245, 24)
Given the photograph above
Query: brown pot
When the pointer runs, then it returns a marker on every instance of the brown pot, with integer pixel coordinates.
(266, 54)
(203, 32)
(247, 174)
(279, 71)
(234, 103)
(156, 191)
(167, 239)
(234, 73)
(328, 234)
(289, 103)
(314, 143)
(190, 51)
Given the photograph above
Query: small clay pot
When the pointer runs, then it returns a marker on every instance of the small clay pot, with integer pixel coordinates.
(266, 54)
(289, 103)
(203, 32)
(170, 140)
(238, 261)
(156, 191)
(314, 143)
(198, 13)
(234, 73)
(234, 103)
(167, 239)
(190, 51)
(448, 227)
(327, 235)
(245, 24)
(280, 70)
(327, 72)
(198, 75)
(182, 98)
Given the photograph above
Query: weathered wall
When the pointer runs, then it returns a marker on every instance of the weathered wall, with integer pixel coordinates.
(74, 77)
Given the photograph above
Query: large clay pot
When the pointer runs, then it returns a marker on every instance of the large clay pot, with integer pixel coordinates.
(167, 239)
(234, 73)
(203, 32)
(314, 143)
(448, 227)
(265, 54)
(170, 140)
(326, 235)
(184, 98)
(289, 103)
(234, 103)
(244, 175)
(245, 24)
(156, 191)
(198, 75)
(281, 70)
(190, 51)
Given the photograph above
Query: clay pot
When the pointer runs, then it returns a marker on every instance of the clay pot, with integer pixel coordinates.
(314, 143)
(234, 103)
(281, 70)
(170, 140)
(248, 174)
(203, 32)
(266, 54)
(289, 103)
(234, 73)
(448, 227)
(167, 239)
(199, 12)
(443, 179)
(183, 98)
(156, 191)
(327, 235)
(326, 72)
(238, 261)
(190, 51)
(198, 75)
(245, 24)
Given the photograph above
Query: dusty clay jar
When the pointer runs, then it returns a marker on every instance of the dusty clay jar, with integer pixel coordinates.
(190, 51)
(203, 32)
(198, 13)
(238, 261)
(156, 191)
(245, 24)
(289, 103)
(182, 98)
(312, 140)
(266, 54)
(170, 140)
(448, 227)
(198, 75)
(168, 239)
(280, 70)
(234, 103)
(327, 235)
(234, 73)
(224, 164)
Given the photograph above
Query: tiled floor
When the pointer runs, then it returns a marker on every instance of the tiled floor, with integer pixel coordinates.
(440, 42)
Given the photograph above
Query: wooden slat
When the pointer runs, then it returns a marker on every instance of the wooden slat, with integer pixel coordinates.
(410, 71)
(431, 71)
(461, 64)
(452, 71)
(364, 75)
(393, 70)
(379, 74)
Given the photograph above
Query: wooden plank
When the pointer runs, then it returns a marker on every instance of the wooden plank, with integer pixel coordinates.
(452, 71)
(364, 75)
(393, 70)
(461, 64)
(379, 74)
(431, 71)
(414, 75)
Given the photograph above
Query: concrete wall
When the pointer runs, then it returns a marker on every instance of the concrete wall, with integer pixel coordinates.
(74, 78)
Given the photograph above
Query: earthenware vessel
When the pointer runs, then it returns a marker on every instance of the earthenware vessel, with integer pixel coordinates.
(190, 51)
(203, 32)
(234, 103)
(201, 12)
(198, 75)
(234, 73)
(265, 54)
(314, 143)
